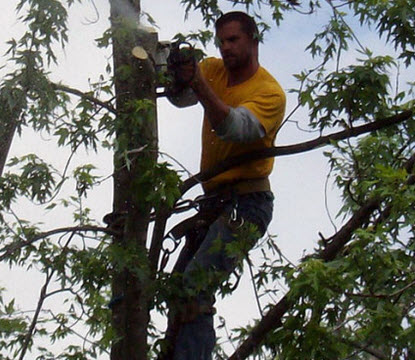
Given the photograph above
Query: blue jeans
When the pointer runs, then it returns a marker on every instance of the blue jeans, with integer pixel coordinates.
(213, 260)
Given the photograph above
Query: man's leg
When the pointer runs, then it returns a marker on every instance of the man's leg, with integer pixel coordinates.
(196, 337)
(177, 302)
(212, 264)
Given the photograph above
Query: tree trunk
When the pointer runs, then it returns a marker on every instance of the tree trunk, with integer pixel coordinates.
(6, 134)
(8, 125)
(136, 153)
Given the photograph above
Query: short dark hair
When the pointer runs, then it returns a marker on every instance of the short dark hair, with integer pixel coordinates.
(248, 24)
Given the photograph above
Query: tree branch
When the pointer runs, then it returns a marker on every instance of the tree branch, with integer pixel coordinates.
(32, 327)
(9, 116)
(9, 249)
(86, 96)
(361, 347)
(296, 148)
(273, 319)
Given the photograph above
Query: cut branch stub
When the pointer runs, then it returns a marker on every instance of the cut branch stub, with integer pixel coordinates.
(139, 53)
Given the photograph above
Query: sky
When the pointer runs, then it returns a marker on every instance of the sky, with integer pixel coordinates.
(305, 203)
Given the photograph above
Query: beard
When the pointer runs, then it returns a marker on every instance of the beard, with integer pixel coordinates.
(234, 62)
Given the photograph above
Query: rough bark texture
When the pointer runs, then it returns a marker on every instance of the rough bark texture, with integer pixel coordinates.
(134, 80)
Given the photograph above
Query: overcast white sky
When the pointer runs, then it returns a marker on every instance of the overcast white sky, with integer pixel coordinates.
(298, 181)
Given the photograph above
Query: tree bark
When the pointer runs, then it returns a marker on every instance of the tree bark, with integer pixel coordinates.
(8, 125)
(135, 128)
(6, 134)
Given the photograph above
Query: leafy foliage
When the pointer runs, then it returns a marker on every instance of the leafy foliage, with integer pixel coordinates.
(358, 305)
(349, 95)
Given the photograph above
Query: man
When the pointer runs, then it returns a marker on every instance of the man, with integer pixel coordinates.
(244, 106)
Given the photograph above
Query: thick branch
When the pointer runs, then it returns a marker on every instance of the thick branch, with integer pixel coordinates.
(376, 353)
(86, 96)
(7, 138)
(296, 148)
(131, 315)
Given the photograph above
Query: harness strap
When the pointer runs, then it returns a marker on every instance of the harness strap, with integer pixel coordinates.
(243, 186)
(208, 214)
(252, 185)
(192, 309)
(205, 216)
(195, 221)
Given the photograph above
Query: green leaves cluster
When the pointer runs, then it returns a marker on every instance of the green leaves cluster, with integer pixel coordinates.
(356, 93)
(392, 19)
(36, 180)
(359, 304)
(162, 185)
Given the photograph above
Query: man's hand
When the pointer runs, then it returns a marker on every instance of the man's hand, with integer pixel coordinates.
(185, 72)
(182, 64)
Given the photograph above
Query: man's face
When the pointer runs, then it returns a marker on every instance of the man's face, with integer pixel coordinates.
(236, 47)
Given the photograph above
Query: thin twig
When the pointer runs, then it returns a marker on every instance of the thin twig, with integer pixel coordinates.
(383, 296)
(248, 260)
(29, 334)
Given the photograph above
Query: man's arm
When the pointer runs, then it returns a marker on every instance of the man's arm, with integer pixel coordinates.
(231, 124)
(216, 110)
(240, 125)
